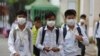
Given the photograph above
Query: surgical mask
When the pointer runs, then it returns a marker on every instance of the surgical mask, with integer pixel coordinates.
(82, 21)
(21, 21)
(51, 23)
(71, 22)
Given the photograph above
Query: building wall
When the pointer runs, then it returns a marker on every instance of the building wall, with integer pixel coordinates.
(96, 9)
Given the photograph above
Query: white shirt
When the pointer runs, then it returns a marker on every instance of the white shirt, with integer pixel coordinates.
(83, 27)
(71, 44)
(21, 40)
(49, 41)
(97, 34)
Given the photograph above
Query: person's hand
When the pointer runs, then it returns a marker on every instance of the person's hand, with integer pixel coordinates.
(55, 49)
(47, 49)
(16, 54)
(79, 38)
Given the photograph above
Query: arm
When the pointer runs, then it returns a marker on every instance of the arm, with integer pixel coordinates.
(60, 41)
(94, 30)
(11, 42)
(84, 38)
(31, 43)
(38, 41)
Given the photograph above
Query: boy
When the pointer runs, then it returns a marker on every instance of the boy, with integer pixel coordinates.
(72, 35)
(35, 28)
(49, 39)
(19, 41)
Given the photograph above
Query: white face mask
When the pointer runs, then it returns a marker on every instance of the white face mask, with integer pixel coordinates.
(51, 23)
(82, 20)
(21, 21)
(71, 22)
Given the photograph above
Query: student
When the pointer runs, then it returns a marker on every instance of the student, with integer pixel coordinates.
(72, 35)
(82, 24)
(49, 39)
(36, 26)
(19, 41)
(97, 34)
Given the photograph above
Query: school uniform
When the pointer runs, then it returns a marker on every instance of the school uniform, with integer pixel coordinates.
(97, 35)
(21, 44)
(49, 41)
(71, 47)
(84, 27)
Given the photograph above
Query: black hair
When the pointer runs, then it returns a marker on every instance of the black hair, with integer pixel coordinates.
(83, 16)
(70, 12)
(37, 18)
(21, 12)
(99, 15)
(49, 14)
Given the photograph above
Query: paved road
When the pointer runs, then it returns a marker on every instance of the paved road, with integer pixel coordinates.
(3, 46)
(90, 50)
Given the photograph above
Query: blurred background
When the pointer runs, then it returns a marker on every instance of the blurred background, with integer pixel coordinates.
(8, 8)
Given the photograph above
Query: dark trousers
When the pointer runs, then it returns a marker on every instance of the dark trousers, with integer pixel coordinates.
(83, 50)
(98, 46)
(78, 55)
(36, 51)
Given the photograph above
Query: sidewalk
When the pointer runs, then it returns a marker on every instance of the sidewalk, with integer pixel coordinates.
(91, 50)
(3, 46)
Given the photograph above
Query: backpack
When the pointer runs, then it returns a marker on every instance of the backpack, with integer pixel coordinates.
(29, 36)
(79, 31)
(97, 26)
(43, 35)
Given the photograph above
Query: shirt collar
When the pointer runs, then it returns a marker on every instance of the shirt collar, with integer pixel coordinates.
(79, 23)
(48, 29)
(17, 28)
(69, 28)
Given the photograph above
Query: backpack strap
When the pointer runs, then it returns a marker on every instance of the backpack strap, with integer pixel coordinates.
(64, 31)
(57, 36)
(97, 27)
(80, 33)
(14, 35)
(43, 35)
(29, 37)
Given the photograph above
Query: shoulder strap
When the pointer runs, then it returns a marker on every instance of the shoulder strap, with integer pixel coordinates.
(79, 30)
(64, 31)
(29, 38)
(97, 27)
(80, 33)
(29, 35)
(14, 35)
(43, 35)
(57, 35)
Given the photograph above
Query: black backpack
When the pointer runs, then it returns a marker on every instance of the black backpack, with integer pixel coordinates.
(97, 26)
(79, 31)
(43, 35)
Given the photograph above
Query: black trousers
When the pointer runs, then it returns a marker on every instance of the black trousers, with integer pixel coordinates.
(36, 51)
(78, 55)
(98, 46)
(83, 50)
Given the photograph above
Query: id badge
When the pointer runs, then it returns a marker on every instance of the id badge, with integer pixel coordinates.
(21, 47)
